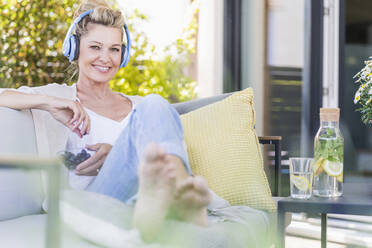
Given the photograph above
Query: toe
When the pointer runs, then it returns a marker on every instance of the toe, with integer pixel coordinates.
(186, 185)
(200, 184)
(154, 152)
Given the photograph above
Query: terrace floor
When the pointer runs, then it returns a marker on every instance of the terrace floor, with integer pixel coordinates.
(343, 231)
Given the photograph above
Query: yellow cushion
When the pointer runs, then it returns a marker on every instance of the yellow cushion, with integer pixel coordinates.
(223, 147)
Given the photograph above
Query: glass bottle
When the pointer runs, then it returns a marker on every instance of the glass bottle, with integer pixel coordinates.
(328, 155)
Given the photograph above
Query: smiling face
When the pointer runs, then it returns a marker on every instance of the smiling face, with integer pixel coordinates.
(100, 53)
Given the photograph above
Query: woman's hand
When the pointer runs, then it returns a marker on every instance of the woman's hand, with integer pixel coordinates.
(71, 114)
(92, 165)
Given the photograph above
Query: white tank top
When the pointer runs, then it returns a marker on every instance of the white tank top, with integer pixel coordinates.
(102, 130)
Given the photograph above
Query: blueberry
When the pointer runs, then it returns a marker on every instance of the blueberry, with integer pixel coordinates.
(67, 155)
(80, 157)
(71, 160)
(69, 163)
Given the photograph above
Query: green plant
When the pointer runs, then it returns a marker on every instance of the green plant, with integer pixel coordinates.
(363, 96)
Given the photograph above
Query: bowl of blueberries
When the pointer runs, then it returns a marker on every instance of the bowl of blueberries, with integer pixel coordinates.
(73, 157)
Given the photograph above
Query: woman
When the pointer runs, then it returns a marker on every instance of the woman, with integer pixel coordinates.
(138, 142)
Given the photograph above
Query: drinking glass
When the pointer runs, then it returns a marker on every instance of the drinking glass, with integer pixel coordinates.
(301, 177)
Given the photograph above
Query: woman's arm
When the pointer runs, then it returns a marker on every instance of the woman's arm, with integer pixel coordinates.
(69, 113)
(19, 100)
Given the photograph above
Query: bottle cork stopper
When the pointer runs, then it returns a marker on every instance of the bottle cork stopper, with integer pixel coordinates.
(329, 114)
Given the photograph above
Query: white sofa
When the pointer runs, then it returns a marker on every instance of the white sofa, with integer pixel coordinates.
(22, 221)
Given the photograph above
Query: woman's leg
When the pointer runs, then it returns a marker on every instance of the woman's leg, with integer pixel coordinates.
(153, 120)
(163, 169)
(161, 190)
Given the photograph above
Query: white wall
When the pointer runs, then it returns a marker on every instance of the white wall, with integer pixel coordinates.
(286, 33)
(253, 55)
(331, 53)
(166, 20)
(210, 48)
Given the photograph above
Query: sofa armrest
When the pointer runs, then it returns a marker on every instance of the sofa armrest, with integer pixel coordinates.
(274, 140)
(53, 168)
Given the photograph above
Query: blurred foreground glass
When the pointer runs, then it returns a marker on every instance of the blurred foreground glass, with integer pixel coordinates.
(301, 177)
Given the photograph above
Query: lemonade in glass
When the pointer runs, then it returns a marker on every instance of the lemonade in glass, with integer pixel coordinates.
(301, 177)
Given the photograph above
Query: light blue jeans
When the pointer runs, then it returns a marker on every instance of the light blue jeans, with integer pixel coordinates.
(153, 120)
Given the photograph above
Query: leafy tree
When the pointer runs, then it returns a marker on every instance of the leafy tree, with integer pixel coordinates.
(31, 41)
(31, 45)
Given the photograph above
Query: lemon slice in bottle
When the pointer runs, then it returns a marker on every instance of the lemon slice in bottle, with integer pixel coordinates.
(300, 182)
(333, 169)
(318, 168)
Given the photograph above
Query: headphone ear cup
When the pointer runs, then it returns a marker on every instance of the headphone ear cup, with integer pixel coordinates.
(74, 51)
(123, 48)
(77, 47)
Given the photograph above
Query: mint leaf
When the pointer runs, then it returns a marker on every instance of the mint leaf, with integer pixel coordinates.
(329, 146)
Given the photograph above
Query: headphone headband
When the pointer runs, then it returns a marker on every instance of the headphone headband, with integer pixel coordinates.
(66, 48)
(70, 46)
(127, 51)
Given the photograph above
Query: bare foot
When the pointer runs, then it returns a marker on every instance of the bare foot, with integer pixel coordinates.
(191, 201)
(157, 180)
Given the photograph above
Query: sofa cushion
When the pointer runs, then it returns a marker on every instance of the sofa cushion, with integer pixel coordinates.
(223, 147)
(21, 191)
(29, 232)
(108, 224)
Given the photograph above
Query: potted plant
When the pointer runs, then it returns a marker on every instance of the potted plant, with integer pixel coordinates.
(363, 95)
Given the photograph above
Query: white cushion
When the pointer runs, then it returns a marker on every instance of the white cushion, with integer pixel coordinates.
(29, 232)
(21, 191)
(100, 219)
(24, 232)
(107, 222)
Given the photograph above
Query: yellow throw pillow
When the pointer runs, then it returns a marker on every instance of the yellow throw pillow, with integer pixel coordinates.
(223, 147)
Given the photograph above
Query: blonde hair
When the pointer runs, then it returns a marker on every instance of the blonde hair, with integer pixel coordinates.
(102, 14)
